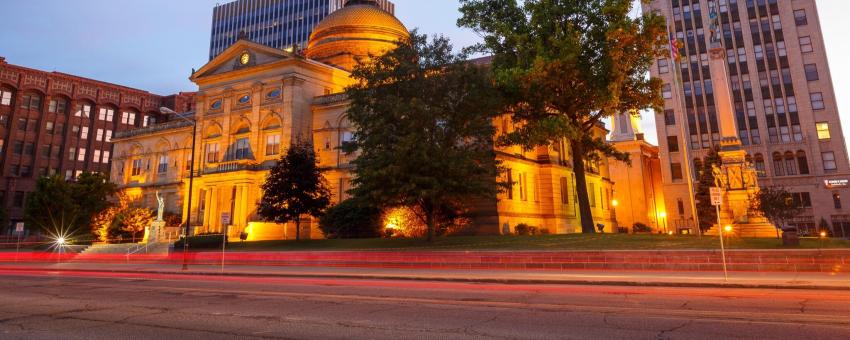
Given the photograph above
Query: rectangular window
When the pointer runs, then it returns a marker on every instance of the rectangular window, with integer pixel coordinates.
(106, 114)
(667, 92)
(806, 44)
(811, 72)
(83, 110)
(163, 164)
(108, 137)
(823, 130)
(243, 150)
(96, 156)
(800, 17)
(22, 124)
(84, 132)
(672, 144)
(212, 152)
(272, 144)
(128, 118)
(48, 127)
(676, 171)
(663, 66)
(509, 176)
(18, 147)
(137, 167)
(523, 196)
(145, 121)
(82, 156)
(817, 101)
(105, 157)
(669, 117)
(99, 135)
(565, 191)
(5, 98)
(72, 154)
(829, 163)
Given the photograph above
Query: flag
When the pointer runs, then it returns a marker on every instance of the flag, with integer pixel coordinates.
(674, 47)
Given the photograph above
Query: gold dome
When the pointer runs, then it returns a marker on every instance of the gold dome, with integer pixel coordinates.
(355, 31)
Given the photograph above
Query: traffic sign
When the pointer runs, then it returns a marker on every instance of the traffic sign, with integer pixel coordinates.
(716, 196)
(19, 227)
(225, 218)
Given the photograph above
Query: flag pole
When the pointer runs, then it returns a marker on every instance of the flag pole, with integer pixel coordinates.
(682, 120)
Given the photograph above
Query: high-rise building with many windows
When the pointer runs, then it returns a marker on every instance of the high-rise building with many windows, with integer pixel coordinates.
(276, 23)
(784, 105)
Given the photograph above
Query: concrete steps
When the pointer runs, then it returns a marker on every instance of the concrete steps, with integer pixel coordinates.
(124, 252)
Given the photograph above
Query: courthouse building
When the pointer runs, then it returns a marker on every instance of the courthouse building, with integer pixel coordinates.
(253, 101)
(784, 104)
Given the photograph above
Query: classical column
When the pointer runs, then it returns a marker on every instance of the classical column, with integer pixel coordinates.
(207, 207)
(243, 203)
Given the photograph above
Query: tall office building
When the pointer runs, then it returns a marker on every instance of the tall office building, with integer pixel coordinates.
(784, 104)
(276, 23)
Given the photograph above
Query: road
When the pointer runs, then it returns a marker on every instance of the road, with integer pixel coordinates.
(93, 305)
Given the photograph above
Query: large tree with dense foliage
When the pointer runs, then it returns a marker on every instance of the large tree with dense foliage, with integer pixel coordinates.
(423, 129)
(566, 65)
(59, 207)
(294, 187)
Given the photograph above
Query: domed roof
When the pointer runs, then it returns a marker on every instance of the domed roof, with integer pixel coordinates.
(357, 30)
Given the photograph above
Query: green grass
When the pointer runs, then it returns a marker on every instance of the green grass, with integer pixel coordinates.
(547, 242)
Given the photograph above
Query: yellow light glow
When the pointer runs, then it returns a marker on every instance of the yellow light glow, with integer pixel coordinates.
(60, 241)
(662, 214)
(615, 203)
(822, 234)
(727, 228)
(670, 233)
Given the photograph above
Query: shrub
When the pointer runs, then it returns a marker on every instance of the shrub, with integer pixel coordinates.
(641, 228)
(525, 229)
(351, 218)
(210, 241)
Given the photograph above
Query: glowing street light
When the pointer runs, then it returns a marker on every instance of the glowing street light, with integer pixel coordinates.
(727, 228)
(615, 203)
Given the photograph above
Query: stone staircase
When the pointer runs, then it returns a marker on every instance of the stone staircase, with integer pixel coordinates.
(124, 252)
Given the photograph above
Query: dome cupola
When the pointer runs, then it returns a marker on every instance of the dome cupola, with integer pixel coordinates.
(357, 30)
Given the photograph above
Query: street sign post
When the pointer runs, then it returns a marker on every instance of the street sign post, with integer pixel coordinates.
(19, 229)
(225, 222)
(717, 201)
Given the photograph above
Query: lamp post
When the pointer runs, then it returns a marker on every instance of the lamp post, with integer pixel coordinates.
(194, 123)
(663, 216)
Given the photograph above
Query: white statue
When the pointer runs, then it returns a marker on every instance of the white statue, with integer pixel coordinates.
(160, 206)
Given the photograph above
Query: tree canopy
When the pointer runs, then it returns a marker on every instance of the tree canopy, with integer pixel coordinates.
(423, 130)
(706, 213)
(567, 64)
(59, 207)
(294, 187)
(776, 205)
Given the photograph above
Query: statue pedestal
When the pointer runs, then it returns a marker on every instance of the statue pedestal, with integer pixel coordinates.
(152, 232)
(739, 181)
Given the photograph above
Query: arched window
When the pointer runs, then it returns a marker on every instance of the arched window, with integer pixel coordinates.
(778, 168)
(58, 105)
(790, 164)
(802, 162)
(758, 163)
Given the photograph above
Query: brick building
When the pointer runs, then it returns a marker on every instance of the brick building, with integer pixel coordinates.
(56, 123)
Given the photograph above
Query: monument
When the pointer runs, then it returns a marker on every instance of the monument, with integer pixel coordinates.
(152, 232)
(735, 176)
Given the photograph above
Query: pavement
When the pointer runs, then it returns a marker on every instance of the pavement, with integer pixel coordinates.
(762, 280)
(51, 304)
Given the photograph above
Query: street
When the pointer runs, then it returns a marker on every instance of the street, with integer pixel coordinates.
(96, 305)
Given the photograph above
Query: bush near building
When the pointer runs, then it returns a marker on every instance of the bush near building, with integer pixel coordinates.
(351, 218)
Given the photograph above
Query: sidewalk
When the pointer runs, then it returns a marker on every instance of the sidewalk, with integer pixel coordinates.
(779, 280)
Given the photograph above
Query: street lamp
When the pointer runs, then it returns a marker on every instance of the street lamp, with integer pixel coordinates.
(663, 216)
(165, 110)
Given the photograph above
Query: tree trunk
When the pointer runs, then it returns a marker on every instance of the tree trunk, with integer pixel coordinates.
(298, 228)
(431, 221)
(585, 213)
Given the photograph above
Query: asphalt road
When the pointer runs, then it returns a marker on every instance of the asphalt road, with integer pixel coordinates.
(45, 305)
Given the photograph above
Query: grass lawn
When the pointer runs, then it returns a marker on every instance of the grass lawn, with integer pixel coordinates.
(547, 242)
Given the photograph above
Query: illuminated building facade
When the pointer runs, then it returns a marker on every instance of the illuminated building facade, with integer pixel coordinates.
(254, 101)
(784, 104)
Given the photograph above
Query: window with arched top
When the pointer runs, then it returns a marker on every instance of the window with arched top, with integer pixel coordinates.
(58, 105)
(31, 101)
(802, 162)
(790, 164)
(758, 163)
(778, 166)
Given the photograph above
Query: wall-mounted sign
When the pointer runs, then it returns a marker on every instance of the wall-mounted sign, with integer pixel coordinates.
(836, 183)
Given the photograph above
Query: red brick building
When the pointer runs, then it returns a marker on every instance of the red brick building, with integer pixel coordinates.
(56, 123)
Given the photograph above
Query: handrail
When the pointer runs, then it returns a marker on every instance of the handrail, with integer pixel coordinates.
(138, 249)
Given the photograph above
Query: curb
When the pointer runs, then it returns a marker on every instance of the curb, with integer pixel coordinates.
(462, 280)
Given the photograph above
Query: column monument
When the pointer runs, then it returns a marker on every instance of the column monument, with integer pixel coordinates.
(736, 176)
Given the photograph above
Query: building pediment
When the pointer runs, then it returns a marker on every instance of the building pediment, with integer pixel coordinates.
(243, 54)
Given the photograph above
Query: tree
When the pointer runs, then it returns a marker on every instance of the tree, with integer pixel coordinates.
(423, 129)
(777, 205)
(62, 208)
(134, 221)
(294, 187)
(567, 64)
(706, 213)
(351, 218)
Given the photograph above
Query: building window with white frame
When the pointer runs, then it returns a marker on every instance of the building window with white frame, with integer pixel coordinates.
(272, 144)
(663, 66)
(84, 132)
(99, 135)
(105, 157)
(82, 155)
(829, 163)
(96, 156)
(806, 44)
(162, 168)
(108, 136)
(5, 97)
(817, 101)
